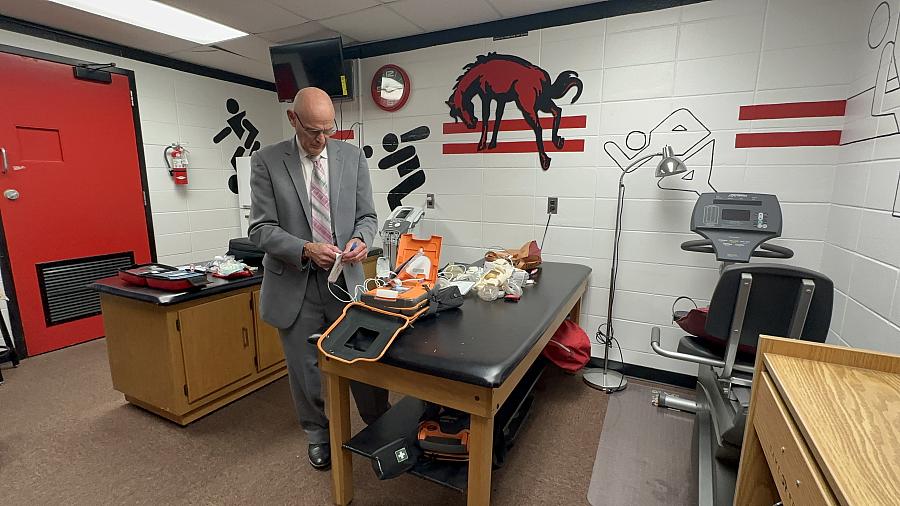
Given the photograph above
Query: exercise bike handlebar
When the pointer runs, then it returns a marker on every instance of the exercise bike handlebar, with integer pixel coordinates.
(654, 344)
(698, 246)
(773, 251)
(764, 251)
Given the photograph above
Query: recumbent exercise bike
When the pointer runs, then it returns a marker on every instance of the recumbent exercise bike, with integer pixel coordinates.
(748, 300)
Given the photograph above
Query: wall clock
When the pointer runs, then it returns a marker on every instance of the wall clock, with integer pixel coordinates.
(390, 88)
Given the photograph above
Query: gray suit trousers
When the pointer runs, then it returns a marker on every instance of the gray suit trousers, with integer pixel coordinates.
(320, 309)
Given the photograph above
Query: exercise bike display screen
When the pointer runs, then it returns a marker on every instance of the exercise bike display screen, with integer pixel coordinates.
(735, 224)
(735, 214)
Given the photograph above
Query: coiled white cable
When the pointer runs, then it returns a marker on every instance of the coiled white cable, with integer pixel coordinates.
(358, 290)
(339, 287)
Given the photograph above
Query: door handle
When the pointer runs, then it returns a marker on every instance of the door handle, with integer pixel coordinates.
(5, 168)
(246, 336)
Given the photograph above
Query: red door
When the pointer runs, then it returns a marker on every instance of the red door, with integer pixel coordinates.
(71, 198)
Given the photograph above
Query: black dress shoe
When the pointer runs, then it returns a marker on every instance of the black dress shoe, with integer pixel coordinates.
(320, 456)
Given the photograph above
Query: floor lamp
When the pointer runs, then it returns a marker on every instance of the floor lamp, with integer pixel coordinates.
(604, 379)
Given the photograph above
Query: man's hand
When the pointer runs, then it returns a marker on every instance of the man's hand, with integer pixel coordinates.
(321, 254)
(354, 251)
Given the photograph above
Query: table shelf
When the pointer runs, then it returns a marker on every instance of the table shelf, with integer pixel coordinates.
(402, 421)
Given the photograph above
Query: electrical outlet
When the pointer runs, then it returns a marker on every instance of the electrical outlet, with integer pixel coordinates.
(552, 205)
(429, 201)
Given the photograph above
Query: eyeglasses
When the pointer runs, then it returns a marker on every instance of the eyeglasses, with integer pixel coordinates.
(313, 132)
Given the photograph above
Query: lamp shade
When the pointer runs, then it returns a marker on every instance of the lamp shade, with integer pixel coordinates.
(670, 164)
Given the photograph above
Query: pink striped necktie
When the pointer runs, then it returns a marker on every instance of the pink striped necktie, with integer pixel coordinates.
(318, 199)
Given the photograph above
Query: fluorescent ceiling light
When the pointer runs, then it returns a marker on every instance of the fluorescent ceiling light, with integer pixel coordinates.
(158, 17)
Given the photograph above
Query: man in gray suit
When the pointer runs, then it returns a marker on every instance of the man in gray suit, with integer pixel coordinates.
(312, 199)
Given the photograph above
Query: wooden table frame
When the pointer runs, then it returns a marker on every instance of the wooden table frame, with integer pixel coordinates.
(482, 403)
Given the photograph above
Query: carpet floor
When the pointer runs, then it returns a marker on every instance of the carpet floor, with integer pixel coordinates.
(66, 437)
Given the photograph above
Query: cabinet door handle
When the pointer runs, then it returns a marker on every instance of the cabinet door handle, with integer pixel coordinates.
(5, 167)
(246, 335)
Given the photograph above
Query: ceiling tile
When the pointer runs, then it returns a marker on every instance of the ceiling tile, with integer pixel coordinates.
(512, 8)
(226, 61)
(433, 16)
(318, 9)
(251, 17)
(250, 46)
(310, 30)
(377, 23)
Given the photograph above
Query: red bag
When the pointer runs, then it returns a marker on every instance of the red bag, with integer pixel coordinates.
(694, 322)
(569, 348)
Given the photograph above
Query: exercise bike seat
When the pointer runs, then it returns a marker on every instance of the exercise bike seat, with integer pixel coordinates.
(769, 310)
(702, 347)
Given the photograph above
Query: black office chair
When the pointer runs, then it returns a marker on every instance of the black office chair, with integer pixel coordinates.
(7, 350)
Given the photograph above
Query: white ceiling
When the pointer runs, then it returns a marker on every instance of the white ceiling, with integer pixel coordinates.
(274, 22)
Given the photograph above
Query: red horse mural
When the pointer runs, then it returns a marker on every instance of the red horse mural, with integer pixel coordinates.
(505, 78)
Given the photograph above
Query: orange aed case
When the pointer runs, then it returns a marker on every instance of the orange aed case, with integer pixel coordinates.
(367, 328)
(416, 295)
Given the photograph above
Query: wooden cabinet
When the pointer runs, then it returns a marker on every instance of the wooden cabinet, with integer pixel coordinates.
(182, 361)
(822, 427)
(216, 344)
(268, 342)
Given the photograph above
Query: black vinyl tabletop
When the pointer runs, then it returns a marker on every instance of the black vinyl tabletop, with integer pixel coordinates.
(479, 343)
(116, 286)
(482, 342)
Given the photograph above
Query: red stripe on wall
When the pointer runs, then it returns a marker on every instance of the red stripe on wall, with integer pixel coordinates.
(794, 110)
(343, 135)
(788, 139)
(517, 124)
(465, 148)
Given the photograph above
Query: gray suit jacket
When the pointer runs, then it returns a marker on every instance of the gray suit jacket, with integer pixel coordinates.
(280, 223)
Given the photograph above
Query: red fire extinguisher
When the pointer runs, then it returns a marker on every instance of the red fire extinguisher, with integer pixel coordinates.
(176, 160)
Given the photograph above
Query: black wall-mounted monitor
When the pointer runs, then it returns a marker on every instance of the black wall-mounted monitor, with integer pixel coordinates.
(318, 63)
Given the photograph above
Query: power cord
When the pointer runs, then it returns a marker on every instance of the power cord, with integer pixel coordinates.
(609, 336)
(604, 339)
(359, 140)
(546, 227)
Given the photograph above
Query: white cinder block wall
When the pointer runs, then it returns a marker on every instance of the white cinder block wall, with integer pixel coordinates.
(702, 61)
(709, 58)
(195, 222)
(862, 247)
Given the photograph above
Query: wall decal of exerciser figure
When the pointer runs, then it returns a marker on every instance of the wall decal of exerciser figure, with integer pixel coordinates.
(687, 136)
(406, 160)
(238, 124)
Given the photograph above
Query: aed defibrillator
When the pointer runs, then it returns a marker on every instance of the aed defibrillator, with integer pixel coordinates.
(367, 328)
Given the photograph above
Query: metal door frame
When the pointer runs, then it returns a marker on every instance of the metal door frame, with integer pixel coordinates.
(15, 319)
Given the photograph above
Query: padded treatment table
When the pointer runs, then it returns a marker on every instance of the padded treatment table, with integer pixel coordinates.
(469, 359)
